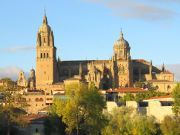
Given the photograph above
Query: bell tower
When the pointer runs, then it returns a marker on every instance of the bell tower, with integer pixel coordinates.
(122, 59)
(46, 64)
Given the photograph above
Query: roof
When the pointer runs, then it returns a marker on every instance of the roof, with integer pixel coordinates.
(166, 72)
(127, 90)
(154, 80)
(33, 117)
(141, 61)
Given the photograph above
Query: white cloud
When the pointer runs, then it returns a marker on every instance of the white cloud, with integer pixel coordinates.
(17, 49)
(138, 9)
(11, 72)
(175, 68)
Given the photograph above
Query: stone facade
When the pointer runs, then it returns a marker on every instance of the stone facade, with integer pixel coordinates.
(22, 80)
(120, 71)
(159, 107)
(37, 101)
(30, 82)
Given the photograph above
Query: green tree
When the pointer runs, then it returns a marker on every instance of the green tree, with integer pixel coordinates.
(170, 125)
(176, 96)
(82, 110)
(127, 97)
(11, 108)
(144, 125)
(53, 125)
(119, 122)
(124, 121)
(144, 85)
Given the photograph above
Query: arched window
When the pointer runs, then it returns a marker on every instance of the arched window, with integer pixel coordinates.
(41, 99)
(168, 87)
(37, 99)
(47, 55)
(44, 55)
(41, 55)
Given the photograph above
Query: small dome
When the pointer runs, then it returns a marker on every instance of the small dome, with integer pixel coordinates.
(122, 42)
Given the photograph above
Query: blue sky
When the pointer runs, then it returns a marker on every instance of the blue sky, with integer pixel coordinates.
(87, 29)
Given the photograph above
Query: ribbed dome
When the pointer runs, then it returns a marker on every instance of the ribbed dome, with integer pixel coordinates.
(121, 42)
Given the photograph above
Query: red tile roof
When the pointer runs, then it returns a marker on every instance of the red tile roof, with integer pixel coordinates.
(127, 90)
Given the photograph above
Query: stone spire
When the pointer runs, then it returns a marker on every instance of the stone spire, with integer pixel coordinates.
(121, 35)
(163, 68)
(45, 21)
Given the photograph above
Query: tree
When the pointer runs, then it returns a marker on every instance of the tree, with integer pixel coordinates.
(11, 108)
(124, 121)
(127, 97)
(176, 96)
(144, 125)
(82, 110)
(119, 122)
(53, 125)
(170, 125)
(145, 85)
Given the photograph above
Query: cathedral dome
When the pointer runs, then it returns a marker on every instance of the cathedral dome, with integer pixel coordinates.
(121, 42)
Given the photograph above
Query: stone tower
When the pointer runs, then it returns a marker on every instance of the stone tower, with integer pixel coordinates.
(46, 64)
(32, 79)
(122, 63)
(22, 80)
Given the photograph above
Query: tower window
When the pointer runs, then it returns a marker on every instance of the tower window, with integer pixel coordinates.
(41, 55)
(47, 55)
(44, 55)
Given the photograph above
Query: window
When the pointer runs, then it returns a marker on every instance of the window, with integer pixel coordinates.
(41, 99)
(47, 55)
(44, 55)
(41, 55)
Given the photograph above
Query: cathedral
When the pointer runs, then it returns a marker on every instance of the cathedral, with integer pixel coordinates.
(120, 71)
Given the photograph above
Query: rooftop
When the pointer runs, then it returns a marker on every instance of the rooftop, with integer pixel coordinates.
(127, 90)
